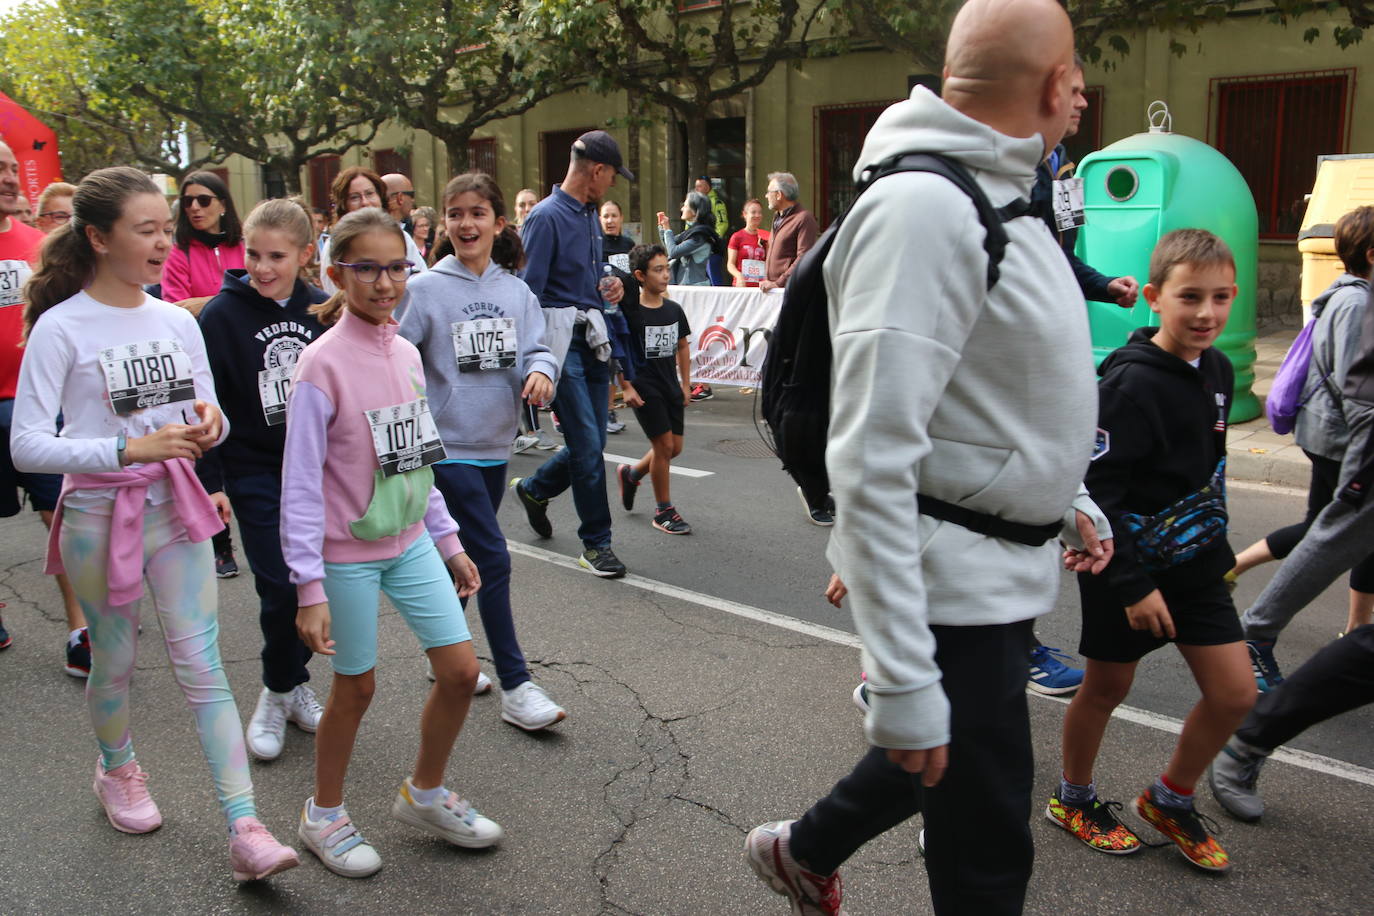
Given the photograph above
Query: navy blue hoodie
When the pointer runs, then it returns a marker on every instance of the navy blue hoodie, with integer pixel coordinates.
(251, 341)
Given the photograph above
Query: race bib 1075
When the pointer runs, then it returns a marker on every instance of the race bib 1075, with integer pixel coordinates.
(147, 374)
(485, 343)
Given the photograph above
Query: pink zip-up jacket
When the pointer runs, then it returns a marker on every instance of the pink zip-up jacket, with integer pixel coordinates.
(331, 479)
(198, 270)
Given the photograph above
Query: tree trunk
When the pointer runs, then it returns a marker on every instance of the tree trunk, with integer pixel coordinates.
(632, 154)
(696, 145)
(457, 144)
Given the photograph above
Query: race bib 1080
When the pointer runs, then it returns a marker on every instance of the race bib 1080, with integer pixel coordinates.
(485, 343)
(405, 437)
(1068, 204)
(274, 385)
(147, 374)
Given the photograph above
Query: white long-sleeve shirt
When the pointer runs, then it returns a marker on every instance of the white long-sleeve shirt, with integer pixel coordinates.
(78, 351)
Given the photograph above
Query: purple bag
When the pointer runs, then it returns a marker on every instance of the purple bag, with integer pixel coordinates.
(1285, 398)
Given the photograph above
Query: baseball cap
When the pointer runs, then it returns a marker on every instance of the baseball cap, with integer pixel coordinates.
(599, 146)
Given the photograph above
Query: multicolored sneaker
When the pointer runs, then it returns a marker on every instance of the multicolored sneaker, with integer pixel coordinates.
(1263, 664)
(449, 818)
(767, 851)
(1095, 824)
(5, 640)
(79, 655)
(1189, 829)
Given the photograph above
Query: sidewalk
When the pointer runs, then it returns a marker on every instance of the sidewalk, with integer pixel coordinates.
(1254, 452)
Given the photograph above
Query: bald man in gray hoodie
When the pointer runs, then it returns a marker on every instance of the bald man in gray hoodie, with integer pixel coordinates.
(985, 399)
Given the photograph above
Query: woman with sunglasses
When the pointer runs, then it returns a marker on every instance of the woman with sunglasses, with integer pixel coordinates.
(208, 241)
(353, 189)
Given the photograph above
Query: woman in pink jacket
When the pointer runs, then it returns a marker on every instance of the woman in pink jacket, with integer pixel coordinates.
(208, 241)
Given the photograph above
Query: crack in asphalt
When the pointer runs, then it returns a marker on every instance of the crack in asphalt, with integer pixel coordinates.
(635, 793)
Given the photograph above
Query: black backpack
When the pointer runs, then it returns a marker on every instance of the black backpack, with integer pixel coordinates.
(794, 396)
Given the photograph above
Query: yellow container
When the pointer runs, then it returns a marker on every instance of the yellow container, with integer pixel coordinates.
(1343, 183)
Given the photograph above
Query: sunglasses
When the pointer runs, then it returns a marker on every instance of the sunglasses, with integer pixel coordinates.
(200, 200)
(371, 271)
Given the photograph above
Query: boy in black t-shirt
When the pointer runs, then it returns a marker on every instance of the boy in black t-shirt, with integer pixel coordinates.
(662, 387)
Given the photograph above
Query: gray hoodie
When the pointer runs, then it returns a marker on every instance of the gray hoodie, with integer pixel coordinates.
(987, 400)
(475, 410)
(1320, 427)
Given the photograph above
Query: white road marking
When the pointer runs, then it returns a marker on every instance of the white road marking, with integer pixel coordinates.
(1304, 759)
(672, 468)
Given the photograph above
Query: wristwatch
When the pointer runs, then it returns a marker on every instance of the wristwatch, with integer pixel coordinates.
(121, 444)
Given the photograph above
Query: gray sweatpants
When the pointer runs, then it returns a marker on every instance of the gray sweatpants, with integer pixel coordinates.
(1340, 537)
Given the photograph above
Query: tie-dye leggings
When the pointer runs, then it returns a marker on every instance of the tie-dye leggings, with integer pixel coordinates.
(181, 582)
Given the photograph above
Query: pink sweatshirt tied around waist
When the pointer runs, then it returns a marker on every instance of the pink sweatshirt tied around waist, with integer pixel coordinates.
(125, 569)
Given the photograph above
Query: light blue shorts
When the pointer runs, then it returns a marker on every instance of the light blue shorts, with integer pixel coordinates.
(417, 582)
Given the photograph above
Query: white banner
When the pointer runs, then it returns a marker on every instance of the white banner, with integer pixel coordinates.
(730, 331)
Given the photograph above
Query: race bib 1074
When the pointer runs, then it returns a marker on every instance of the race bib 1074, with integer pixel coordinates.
(485, 343)
(147, 374)
(405, 437)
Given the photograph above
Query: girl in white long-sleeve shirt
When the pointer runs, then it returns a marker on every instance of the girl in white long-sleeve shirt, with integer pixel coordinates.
(129, 375)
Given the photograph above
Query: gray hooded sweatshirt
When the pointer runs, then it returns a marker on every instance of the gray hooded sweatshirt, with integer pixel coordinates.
(475, 410)
(987, 400)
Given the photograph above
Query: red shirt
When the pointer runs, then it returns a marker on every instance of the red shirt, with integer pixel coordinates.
(748, 247)
(18, 253)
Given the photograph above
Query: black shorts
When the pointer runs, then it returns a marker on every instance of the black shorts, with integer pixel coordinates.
(43, 489)
(1203, 614)
(661, 415)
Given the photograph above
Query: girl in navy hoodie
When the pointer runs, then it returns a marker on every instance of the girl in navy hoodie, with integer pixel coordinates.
(480, 332)
(254, 330)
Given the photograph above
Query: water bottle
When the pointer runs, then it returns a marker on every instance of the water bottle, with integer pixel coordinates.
(604, 287)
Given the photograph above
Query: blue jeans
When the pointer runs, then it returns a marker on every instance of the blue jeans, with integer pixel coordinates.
(473, 495)
(581, 404)
(256, 500)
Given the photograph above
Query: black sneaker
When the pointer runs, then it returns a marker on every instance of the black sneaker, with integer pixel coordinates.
(628, 486)
(668, 521)
(79, 656)
(225, 567)
(825, 517)
(536, 510)
(601, 561)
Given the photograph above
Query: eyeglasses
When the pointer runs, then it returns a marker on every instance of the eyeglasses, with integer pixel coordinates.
(371, 271)
(201, 200)
(57, 216)
(359, 198)
(395, 194)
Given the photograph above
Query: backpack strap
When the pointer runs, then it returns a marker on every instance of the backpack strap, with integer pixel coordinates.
(995, 237)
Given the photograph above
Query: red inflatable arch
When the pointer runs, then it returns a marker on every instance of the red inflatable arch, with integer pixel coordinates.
(34, 145)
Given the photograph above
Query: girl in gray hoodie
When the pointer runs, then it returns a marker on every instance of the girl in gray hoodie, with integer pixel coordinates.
(480, 332)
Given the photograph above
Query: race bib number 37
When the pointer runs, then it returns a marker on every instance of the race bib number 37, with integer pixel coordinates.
(405, 437)
(485, 343)
(147, 374)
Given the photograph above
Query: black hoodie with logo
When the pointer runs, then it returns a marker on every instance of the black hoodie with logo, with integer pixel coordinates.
(249, 341)
(1161, 432)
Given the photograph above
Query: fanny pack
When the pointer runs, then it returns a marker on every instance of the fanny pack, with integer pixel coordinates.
(1183, 529)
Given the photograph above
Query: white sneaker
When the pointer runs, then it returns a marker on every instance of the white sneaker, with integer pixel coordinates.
(482, 686)
(267, 729)
(303, 709)
(546, 442)
(530, 708)
(449, 818)
(338, 844)
(524, 443)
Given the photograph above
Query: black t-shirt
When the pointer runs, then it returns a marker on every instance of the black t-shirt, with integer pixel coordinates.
(654, 333)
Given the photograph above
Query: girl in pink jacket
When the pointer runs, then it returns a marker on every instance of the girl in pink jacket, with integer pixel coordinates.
(359, 516)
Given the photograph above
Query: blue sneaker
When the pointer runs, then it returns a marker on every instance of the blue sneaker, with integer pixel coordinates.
(1049, 675)
(1262, 662)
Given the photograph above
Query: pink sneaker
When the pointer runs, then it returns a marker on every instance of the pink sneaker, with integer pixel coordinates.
(124, 795)
(254, 853)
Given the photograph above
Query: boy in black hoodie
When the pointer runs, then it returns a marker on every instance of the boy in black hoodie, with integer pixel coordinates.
(254, 331)
(1158, 473)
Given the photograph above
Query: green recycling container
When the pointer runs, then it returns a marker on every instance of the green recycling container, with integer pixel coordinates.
(1144, 186)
